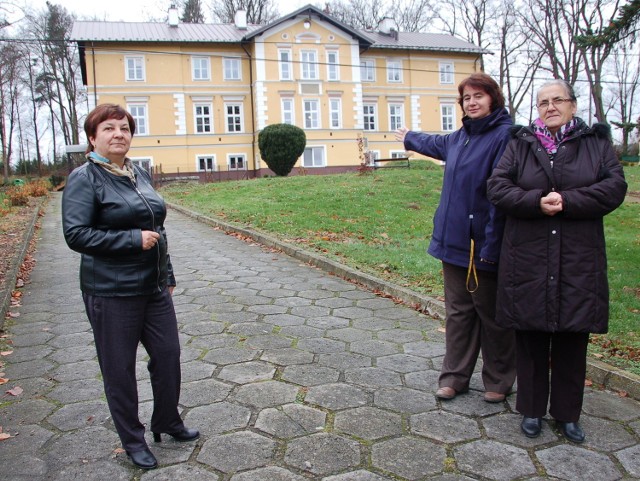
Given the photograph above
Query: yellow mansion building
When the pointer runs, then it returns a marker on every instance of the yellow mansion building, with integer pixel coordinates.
(201, 93)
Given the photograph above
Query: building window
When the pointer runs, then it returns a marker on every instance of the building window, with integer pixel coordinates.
(284, 58)
(369, 116)
(333, 67)
(206, 163)
(313, 157)
(394, 71)
(448, 119)
(203, 118)
(368, 70)
(134, 68)
(335, 113)
(237, 162)
(143, 163)
(311, 109)
(396, 116)
(397, 154)
(201, 68)
(232, 69)
(234, 118)
(139, 114)
(309, 64)
(446, 72)
(287, 112)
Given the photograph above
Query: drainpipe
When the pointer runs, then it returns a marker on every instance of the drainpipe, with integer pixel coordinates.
(93, 66)
(253, 119)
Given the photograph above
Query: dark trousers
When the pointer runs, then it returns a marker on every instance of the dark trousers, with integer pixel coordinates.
(471, 327)
(565, 353)
(119, 324)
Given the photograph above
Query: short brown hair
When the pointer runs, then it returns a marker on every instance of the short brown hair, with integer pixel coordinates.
(105, 112)
(485, 83)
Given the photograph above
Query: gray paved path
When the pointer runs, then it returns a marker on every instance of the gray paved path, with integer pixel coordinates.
(290, 374)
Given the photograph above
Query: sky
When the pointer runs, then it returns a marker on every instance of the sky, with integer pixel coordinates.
(135, 10)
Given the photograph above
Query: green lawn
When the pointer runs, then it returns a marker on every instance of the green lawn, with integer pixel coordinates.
(381, 222)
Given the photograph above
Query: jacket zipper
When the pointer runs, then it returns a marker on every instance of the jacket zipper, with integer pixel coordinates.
(153, 225)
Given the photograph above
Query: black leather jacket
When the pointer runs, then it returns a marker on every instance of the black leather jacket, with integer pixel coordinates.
(102, 218)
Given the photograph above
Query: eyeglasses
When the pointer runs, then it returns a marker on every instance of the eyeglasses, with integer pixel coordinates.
(544, 105)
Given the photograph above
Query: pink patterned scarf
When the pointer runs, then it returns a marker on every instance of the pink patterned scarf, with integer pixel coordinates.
(549, 141)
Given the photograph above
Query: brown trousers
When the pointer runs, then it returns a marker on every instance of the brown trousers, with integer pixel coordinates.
(565, 353)
(471, 327)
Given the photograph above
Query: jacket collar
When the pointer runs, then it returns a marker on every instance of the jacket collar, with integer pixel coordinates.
(478, 126)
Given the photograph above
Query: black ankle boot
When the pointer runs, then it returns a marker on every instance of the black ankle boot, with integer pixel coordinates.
(531, 427)
(143, 459)
(571, 431)
(182, 436)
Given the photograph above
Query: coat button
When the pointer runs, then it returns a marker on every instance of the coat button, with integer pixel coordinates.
(553, 231)
(551, 277)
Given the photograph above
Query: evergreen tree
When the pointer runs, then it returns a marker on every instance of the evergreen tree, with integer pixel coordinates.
(192, 12)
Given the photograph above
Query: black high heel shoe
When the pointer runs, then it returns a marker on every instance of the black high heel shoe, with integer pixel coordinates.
(143, 459)
(182, 436)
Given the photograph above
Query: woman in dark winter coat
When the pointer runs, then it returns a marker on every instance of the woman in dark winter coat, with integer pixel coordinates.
(112, 215)
(556, 181)
(467, 232)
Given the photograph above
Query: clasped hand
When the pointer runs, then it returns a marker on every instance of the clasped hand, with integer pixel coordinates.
(551, 203)
(149, 239)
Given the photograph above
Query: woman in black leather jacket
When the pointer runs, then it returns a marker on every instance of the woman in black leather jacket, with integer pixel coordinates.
(114, 218)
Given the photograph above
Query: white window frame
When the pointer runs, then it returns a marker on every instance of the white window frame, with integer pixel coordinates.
(232, 68)
(368, 70)
(370, 116)
(311, 112)
(396, 119)
(140, 113)
(209, 159)
(236, 117)
(288, 110)
(335, 113)
(200, 68)
(317, 157)
(284, 64)
(231, 157)
(204, 116)
(309, 65)
(333, 66)
(145, 163)
(446, 73)
(396, 154)
(134, 68)
(447, 117)
(394, 71)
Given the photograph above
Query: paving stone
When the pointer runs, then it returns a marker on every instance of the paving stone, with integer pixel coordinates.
(285, 319)
(604, 404)
(472, 403)
(577, 464)
(425, 349)
(213, 341)
(349, 334)
(237, 451)
(506, 428)
(218, 418)
(334, 302)
(604, 435)
(25, 438)
(92, 443)
(376, 303)
(320, 345)
(359, 475)
(179, 472)
(493, 460)
(404, 363)
(437, 425)
(368, 423)
(205, 391)
(400, 336)
(322, 454)
(26, 411)
(310, 312)
(202, 328)
(630, 459)
(336, 396)
(352, 313)
(404, 400)
(30, 353)
(78, 415)
(411, 458)
(76, 371)
(290, 420)
(315, 294)
(31, 339)
(268, 341)
(79, 339)
(328, 322)
(195, 370)
(287, 356)
(310, 374)
(266, 394)
(373, 376)
(301, 331)
(270, 473)
(344, 360)
(230, 355)
(245, 372)
(71, 355)
(373, 324)
(27, 369)
(374, 348)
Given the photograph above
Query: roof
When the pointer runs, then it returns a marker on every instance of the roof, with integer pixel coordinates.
(156, 32)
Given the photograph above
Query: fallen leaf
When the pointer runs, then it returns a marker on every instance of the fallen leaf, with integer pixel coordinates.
(16, 391)
(13, 314)
(5, 353)
(623, 394)
(4, 436)
(3, 380)
(598, 355)
(118, 451)
(442, 329)
(588, 382)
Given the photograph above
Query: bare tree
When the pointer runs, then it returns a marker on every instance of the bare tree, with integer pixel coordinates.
(10, 75)
(259, 12)
(414, 15)
(626, 67)
(192, 12)
(360, 14)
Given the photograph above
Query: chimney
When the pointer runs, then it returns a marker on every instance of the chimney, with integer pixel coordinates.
(240, 19)
(386, 25)
(173, 16)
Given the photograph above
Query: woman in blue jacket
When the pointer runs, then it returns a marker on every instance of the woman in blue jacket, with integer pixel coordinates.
(114, 218)
(467, 232)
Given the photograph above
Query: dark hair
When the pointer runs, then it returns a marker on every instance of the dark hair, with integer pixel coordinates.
(485, 83)
(564, 84)
(100, 114)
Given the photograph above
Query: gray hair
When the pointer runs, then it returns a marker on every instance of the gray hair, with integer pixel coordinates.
(564, 84)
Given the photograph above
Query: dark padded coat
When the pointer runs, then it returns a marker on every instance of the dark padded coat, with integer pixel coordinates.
(553, 269)
(103, 216)
(464, 211)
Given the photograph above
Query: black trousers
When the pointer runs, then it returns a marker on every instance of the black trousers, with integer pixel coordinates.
(119, 325)
(471, 327)
(565, 355)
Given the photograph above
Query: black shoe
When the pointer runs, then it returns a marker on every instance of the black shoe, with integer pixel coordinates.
(143, 459)
(531, 427)
(572, 431)
(182, 436)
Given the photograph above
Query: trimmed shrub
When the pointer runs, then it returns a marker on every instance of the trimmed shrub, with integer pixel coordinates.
(280, 147)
